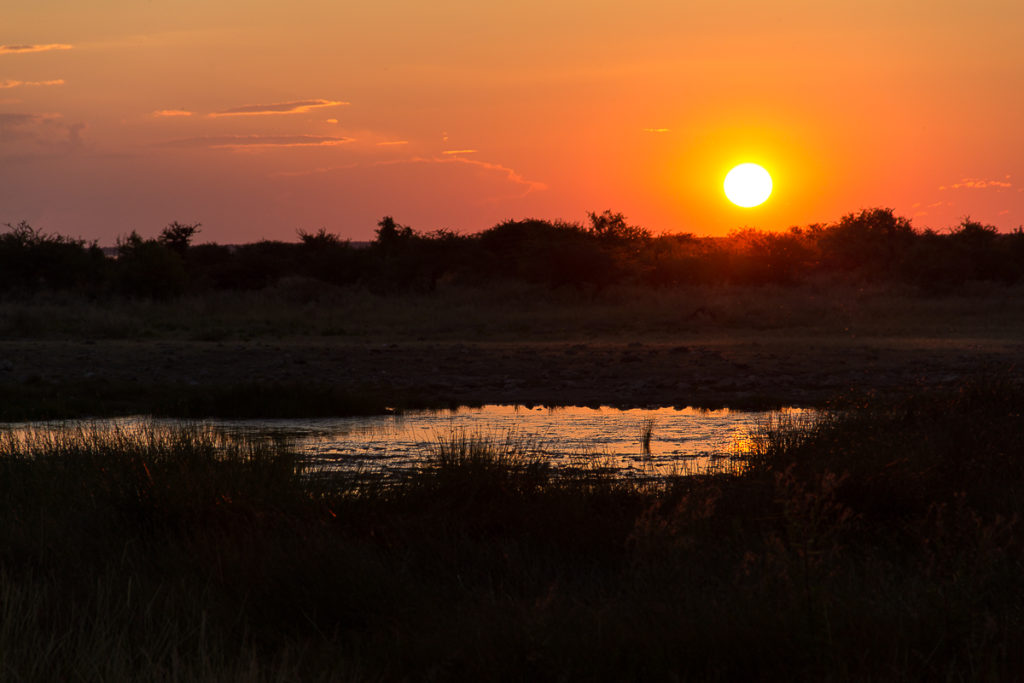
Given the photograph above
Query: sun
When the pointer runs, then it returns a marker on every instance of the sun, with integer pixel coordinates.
(748, 185)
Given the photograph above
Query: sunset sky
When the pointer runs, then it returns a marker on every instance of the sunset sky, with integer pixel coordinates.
(258, 118)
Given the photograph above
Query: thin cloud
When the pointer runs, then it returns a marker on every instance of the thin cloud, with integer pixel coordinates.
(313, 171)
(657, 130)
(298, 107)
(4, 85)
(392, 143)
(29, 134)
(978, 184)
(510, 174)
(22, 49)
(171, 112)
(238, 142)
(8, 121)
(454, 152)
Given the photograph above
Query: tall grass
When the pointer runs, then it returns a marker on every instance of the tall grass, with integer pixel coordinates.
(878, 542)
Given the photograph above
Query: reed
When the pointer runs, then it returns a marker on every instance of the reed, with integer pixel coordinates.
(646, 432)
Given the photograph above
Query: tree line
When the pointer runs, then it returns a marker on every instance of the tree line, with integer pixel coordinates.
(873, 245)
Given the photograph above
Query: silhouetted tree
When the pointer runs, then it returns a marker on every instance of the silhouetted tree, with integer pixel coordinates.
(613, 226)
(177, 236)
(873, 242)
(321, 239)
(31, 259)
(327, 257)
(977, 250)
(390, 234)
(149, 268)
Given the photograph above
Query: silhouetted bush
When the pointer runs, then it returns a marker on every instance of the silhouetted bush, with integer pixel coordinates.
(31, 259)
(210, 266)
(258, 265)
(873, 245)
(178, 236)
(555, 253)
(327, 257)
(149, 268)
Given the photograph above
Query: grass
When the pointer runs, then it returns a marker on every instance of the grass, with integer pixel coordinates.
(879, 542)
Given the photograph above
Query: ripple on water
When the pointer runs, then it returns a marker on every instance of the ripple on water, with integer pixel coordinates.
(682, 439)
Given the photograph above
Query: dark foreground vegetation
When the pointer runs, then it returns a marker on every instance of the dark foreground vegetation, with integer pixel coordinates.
(880, 542)
(874, 245)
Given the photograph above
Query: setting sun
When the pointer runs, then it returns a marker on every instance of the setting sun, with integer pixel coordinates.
(748, 185)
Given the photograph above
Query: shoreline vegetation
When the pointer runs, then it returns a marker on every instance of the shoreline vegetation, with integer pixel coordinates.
(879, 542)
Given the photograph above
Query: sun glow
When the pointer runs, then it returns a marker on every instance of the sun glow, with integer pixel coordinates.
(748, 185)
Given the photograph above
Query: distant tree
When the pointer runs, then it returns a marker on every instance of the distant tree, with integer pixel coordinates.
(149, 268)
(321, 239)
(974, 233)
(873, 242)
(613, 226)
(391, 234)
(979, 253)
(177, 236)
(31, 258)
(327, 257)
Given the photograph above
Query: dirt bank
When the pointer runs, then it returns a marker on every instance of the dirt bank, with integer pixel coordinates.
(735, 371)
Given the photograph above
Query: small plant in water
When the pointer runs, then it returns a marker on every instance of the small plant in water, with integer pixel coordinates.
(646, 432)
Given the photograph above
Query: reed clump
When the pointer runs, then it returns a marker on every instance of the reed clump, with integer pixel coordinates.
(880, 541)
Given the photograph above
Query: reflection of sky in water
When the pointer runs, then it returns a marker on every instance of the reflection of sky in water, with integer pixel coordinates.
(683, 440)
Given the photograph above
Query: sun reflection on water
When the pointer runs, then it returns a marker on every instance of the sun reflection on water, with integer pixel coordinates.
(636, 442)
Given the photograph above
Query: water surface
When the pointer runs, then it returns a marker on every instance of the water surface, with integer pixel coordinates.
(682, 440)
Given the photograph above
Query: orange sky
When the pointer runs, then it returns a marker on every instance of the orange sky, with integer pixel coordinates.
(258, 118)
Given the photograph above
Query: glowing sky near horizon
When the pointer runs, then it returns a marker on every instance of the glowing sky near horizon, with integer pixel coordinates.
(260, 118)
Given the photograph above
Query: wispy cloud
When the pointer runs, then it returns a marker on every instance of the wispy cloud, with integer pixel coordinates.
(455, 152)
(298, 107)
(22, 49)
(978, 184)
(314, 171)
(392, 143)
(28, 134)
(4, 85)
(160, 113)
(511, 175)
(10, 121)
(657, 130)
(253, 142)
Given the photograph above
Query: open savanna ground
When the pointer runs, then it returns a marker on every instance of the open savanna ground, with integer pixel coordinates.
(304, 348)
